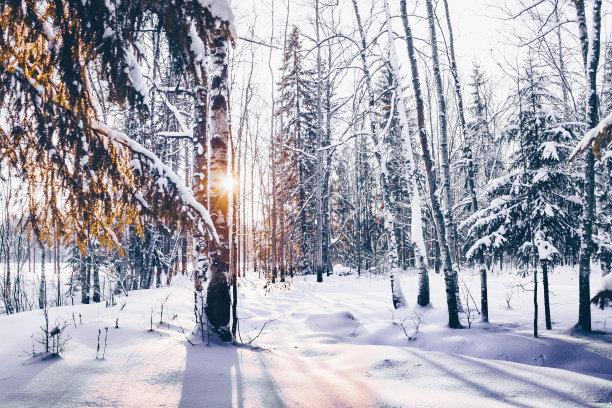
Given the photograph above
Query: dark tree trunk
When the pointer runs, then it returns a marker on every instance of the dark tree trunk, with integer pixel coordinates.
(84, 281)
(484, 295)
(544, 263)
(535, 301)
(96, 283)
(42, 292)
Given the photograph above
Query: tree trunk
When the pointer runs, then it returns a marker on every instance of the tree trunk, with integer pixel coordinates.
(319, 174)
(416, 232)
(484, 295)
(535, 301)
(381, 179)
(590, 54)
(218, 296)
(450, 276)
(447, 198)
(96, 283)
(84, 281)
(544, 263)
(42, 292)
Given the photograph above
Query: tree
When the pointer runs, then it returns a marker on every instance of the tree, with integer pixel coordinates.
(218, 296)
(108, 180)
(450, 275)
(590, 57)
(447, 199)
(531, 210)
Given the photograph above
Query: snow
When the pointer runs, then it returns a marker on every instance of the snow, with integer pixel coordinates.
(165, 172)
(334, 344)
(197, 46)
(416, 225)
(545, 248)
(135, 75)
(603, 126)
(549, 150)
(606, 282)
(221, 9)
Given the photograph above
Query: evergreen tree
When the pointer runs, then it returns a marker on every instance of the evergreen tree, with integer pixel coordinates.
(53, 129)
(532, 209)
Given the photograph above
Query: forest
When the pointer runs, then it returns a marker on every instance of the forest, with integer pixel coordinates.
(326, 203)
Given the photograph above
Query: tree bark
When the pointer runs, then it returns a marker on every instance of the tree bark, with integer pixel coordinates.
(377, 141)
(416, 232)
(450, 276)
(484, 295)
(42, 292)
(96, 283)
(544, 263)
(319, 175)
(447, 198)
(590, 54)
(218, 296)
(535, 301)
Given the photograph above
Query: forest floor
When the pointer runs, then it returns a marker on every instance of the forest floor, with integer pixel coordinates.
(335, 344)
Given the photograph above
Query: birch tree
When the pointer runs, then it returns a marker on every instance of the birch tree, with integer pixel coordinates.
(590, 55)
(450, 275)
(416, 227)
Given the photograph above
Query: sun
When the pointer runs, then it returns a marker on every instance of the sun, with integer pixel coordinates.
(228, 184)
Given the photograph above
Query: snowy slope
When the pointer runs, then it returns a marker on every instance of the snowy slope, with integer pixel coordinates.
(336, 344)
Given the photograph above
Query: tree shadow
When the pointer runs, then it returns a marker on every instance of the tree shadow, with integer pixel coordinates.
(23, 374)
(491, 370)
(213, 376)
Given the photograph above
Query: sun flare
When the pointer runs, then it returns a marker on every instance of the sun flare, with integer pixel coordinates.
(228, 184)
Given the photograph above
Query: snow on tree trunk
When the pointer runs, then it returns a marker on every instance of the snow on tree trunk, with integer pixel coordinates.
(218, 296)
(200, 182)
(467, 149)
(447, 198)
(377, 141)
(450, 276)
(42, 291)
(96, 284)
(590, 54)
(416, 227)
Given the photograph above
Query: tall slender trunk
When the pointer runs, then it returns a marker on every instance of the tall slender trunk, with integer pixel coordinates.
(467, 149)
(544, 263)
(590, 55)
(234, 268)
(319, 173)
(535, 301)
(7, 277)
(96, 283)
(253, 224)
(218, 296)
(84, 280)
(377, 140)
(484, 294)
(327, 265)
(416, 227)
(450, 276)
(243, 218)
(42, 291)
(447, 198)
(56, 266)
(200, 183)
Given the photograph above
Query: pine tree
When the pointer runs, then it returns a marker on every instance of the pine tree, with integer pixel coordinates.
(531, 209)
(53, 126)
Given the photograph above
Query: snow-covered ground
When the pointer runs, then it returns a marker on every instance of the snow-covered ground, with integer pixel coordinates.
(335, 344)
